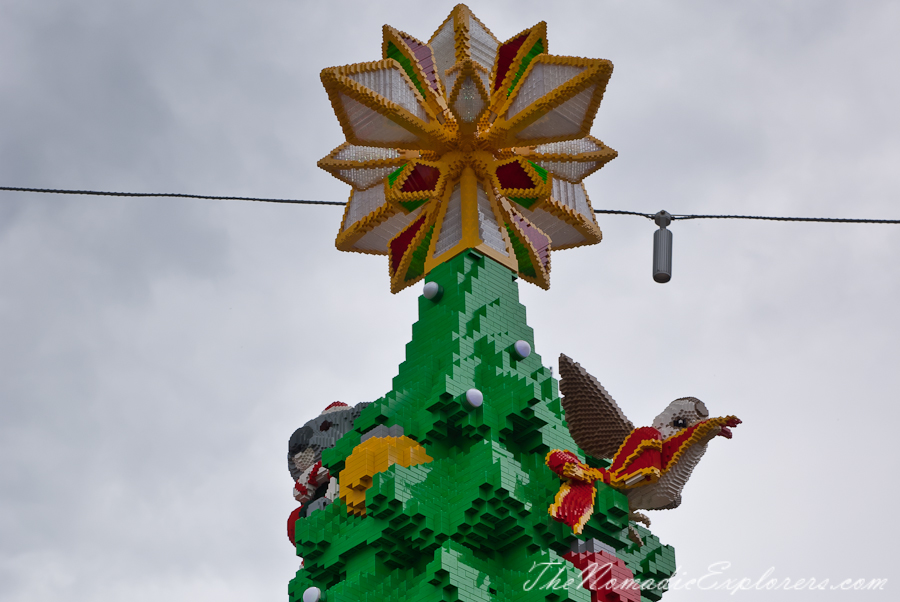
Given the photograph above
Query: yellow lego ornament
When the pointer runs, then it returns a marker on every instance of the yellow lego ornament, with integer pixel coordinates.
(465, 142)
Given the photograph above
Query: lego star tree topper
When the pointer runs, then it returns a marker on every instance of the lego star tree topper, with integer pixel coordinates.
(467, 143)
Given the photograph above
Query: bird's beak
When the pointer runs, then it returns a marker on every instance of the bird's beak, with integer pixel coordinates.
(725, 430)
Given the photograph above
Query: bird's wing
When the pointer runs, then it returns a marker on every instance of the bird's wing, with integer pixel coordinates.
(596, 422)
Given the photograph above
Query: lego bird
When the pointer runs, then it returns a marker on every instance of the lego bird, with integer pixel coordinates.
(651, 464)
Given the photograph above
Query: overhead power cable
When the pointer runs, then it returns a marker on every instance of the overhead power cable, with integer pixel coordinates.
(171, 194)
(662, 238)
(676, 216)
(311, 202)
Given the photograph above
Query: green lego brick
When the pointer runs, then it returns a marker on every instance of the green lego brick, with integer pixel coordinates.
(537, 49)
(394, 53)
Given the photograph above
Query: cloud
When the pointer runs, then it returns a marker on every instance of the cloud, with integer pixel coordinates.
(157, 354)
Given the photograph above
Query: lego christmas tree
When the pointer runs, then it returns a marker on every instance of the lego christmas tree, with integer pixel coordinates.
(467, 520)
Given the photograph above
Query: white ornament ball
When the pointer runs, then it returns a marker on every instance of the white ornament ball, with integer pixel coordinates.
(312, 594)
(474, 397)
(432, 291)
(523, 349)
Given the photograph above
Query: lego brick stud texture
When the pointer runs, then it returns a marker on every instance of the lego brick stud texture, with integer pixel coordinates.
(467, 142)
(439, 501)
(597, 424)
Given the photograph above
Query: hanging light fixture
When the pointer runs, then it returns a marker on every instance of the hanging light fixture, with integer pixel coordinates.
(662, 248)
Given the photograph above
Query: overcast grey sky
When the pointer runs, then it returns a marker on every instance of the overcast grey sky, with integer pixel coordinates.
(156, 354)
